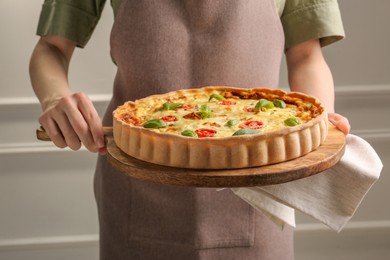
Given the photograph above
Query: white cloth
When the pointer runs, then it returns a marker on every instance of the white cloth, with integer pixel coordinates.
(331, 197)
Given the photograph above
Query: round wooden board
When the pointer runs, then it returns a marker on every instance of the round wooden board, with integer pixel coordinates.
(324, 157)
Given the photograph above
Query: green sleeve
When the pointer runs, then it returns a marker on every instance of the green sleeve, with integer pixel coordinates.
(74, 20)
(312, 19)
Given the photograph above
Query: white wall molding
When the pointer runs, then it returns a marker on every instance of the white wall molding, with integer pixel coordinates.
(362, 91)
(341, 92)
(33, 101)
(48, 147)
(377, 134)
(43, 147)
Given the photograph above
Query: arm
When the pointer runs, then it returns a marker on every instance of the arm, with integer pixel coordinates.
(69, 118)
(309, 73)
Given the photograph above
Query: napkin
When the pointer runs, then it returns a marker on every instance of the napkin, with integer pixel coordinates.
(331, 196)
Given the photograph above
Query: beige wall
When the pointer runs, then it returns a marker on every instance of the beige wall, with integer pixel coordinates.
(46, 200)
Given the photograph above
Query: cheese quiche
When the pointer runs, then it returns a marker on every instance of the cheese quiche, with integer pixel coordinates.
(220, 127)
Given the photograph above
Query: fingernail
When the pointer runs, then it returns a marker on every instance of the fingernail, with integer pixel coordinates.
(103, 151)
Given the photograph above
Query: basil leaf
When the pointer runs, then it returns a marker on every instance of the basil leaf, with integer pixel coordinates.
(217, 97)
(205, 111)
(189, 133)
(263, 103)
(292, 121)
(171, 106)
(155, 123)
(246, 131)
(232, 122)
(279, 103)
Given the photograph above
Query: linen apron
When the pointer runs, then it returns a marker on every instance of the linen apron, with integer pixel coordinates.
(165, 45)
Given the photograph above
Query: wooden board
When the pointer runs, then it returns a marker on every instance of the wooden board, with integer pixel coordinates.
(327, 155)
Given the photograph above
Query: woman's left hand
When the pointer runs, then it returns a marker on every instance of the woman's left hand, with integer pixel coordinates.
(340, 122)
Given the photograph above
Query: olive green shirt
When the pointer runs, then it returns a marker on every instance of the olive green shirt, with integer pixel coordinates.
(302, 20)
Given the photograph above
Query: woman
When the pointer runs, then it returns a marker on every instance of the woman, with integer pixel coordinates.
(160, 46)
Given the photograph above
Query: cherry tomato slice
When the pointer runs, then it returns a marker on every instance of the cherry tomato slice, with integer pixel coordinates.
(168, 118)
(249, 109)
(226, 102)
(252, 124)
(204, 132)
(187, 107)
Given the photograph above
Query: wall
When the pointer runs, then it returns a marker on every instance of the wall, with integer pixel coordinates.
(47, 207)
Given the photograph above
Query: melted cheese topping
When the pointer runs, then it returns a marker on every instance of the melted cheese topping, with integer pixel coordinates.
(188, 116)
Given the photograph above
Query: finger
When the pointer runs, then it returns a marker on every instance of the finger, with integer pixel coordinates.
(69, 134)
(53, 131)
(340, 122)
(78, 124)
(92, 118)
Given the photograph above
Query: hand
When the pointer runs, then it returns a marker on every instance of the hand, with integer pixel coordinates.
(340, 122)
(72, 120)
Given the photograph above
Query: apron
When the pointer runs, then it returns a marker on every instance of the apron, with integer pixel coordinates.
(165, 45)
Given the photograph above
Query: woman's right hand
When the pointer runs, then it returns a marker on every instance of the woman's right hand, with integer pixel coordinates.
(71, 121)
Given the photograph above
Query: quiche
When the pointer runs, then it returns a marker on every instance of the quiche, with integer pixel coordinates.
(220, 127)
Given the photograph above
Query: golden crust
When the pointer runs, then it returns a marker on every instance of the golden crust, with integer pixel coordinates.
(224, 152)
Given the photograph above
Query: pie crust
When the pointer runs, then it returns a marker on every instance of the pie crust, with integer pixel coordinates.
(225, 152)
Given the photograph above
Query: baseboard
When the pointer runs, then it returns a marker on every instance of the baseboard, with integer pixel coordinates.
(365, 234)
(357, 241)
(81, 247)
(35, 243)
